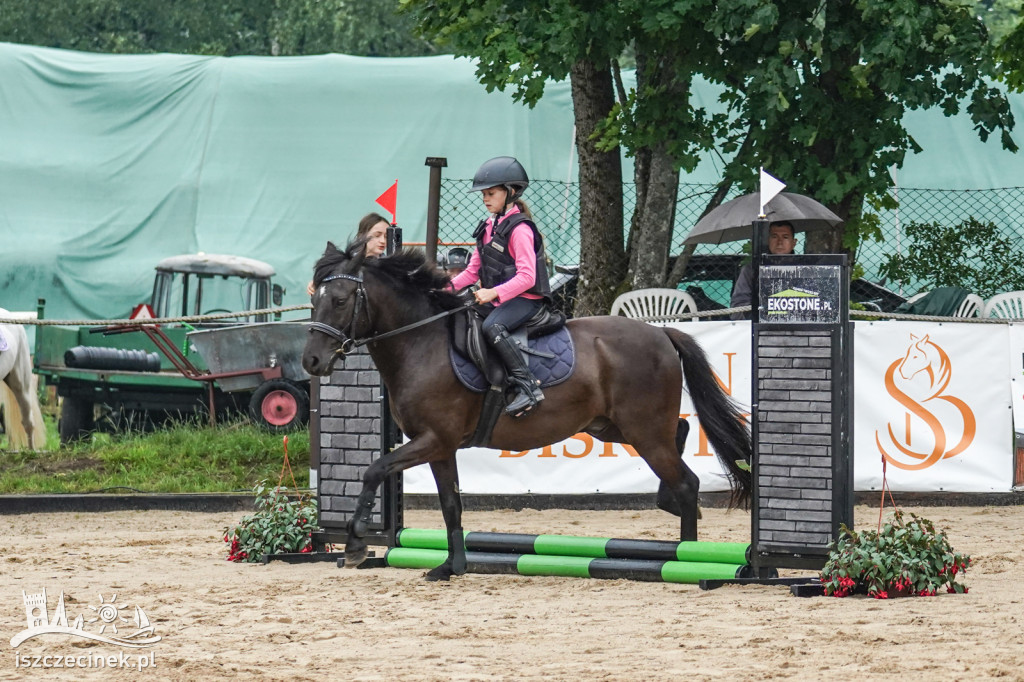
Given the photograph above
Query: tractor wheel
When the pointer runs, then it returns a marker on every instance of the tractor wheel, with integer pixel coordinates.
(279, 405)
(76, 419)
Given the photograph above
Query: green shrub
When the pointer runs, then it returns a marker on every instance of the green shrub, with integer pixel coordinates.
(971, 254)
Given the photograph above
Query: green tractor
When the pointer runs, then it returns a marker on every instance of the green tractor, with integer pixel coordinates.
(113, 378)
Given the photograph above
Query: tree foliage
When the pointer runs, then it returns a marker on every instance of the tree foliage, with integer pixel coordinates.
(229, 27)
(971, 254)
(520, 46)
(813, 90)
(826, 85)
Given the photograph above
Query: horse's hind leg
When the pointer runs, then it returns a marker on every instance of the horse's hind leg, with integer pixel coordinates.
(446, 475)
(667, 499)
(679, 486)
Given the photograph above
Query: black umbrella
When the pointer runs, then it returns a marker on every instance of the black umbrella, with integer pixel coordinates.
(732, 220)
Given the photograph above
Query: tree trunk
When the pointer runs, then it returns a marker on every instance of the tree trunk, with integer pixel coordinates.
(648, 258)
(679, 268)
(602, 260)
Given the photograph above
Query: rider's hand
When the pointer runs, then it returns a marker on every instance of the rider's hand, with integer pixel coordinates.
(486, 295)
(309, 289)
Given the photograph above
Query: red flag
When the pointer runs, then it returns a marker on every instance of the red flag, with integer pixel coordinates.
(389, 200)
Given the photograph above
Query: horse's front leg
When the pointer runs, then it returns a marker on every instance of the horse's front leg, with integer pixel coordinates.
(420, 449)
(446, 475)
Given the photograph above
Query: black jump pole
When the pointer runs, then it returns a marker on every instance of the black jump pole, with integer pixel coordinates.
(436, 163)
(758, 247)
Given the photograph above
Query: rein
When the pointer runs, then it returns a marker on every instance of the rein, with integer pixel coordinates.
(349, 344)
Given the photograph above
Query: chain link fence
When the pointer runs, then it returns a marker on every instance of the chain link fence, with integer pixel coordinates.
(555, 205)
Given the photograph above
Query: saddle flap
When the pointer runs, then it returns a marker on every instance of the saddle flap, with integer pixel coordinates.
(467, 337)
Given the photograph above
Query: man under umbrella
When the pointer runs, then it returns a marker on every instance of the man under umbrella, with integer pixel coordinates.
(781, 241)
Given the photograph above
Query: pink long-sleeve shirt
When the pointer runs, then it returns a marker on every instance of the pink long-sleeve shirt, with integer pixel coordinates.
(520, 247)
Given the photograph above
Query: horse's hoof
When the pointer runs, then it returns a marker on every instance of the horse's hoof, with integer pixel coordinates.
(439, 574)
(355, 556)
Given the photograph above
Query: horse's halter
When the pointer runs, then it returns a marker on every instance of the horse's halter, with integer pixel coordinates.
(347, 336)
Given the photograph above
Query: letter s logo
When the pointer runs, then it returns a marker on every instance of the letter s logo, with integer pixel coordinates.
(924, 373)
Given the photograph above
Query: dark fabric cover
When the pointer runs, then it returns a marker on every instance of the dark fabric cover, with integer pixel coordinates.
(943, 301)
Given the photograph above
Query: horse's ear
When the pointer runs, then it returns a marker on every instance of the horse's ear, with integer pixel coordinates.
(331, 249)
(925, 339)
(357, 258)
(913, 337)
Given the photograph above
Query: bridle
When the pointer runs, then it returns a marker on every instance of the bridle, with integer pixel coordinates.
(362, 304)
(345, 337)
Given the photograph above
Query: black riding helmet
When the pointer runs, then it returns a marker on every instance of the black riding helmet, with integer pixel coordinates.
(504, 171)
(455, 257)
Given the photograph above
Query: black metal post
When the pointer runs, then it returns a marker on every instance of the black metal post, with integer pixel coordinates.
(758, 247)
(436, 163)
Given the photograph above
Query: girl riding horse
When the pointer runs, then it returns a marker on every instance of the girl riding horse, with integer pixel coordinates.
(509, 262)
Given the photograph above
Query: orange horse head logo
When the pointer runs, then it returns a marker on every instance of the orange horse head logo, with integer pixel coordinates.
(924, 375)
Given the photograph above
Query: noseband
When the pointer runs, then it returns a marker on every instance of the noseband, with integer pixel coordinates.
(345, 337)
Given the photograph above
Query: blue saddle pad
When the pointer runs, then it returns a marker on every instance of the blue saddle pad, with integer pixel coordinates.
(549, 371)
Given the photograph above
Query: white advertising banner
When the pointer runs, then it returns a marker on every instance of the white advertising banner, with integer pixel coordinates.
(584, 465)
(933, 404)
(931, 400)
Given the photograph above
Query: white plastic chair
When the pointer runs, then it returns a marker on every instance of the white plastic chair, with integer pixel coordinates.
(656, 303)
(1009, 306)
(970, 307)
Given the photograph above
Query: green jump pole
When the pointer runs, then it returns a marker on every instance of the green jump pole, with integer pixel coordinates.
(580, 546)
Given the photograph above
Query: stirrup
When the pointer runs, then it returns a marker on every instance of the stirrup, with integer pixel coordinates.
(532, 397)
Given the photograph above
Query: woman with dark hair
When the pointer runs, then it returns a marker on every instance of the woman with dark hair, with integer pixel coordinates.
(373, 227)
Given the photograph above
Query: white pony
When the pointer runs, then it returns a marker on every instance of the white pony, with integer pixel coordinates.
(23, 418)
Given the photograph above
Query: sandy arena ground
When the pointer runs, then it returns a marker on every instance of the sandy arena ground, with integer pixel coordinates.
(221, 620)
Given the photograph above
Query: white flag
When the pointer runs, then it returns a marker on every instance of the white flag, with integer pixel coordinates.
(770, 186)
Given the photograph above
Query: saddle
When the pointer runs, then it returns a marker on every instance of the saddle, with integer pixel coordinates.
(467, 340)
(543, 340)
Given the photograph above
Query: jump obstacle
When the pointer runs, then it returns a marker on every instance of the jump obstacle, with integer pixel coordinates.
(801, 427)
(576, 556)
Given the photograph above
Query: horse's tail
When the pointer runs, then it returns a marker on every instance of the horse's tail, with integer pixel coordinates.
(720, 416)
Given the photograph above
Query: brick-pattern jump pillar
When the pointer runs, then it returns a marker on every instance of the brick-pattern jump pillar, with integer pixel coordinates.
(349, 429)
(802, 411)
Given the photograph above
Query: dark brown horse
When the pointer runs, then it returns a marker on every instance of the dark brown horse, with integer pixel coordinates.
(625, 388)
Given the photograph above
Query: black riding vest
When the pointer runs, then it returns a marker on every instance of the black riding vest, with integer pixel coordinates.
(497, 265)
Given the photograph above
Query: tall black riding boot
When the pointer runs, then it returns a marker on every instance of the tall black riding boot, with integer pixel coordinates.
(521, 379)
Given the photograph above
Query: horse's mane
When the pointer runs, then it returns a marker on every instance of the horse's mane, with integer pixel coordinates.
(407, 271)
